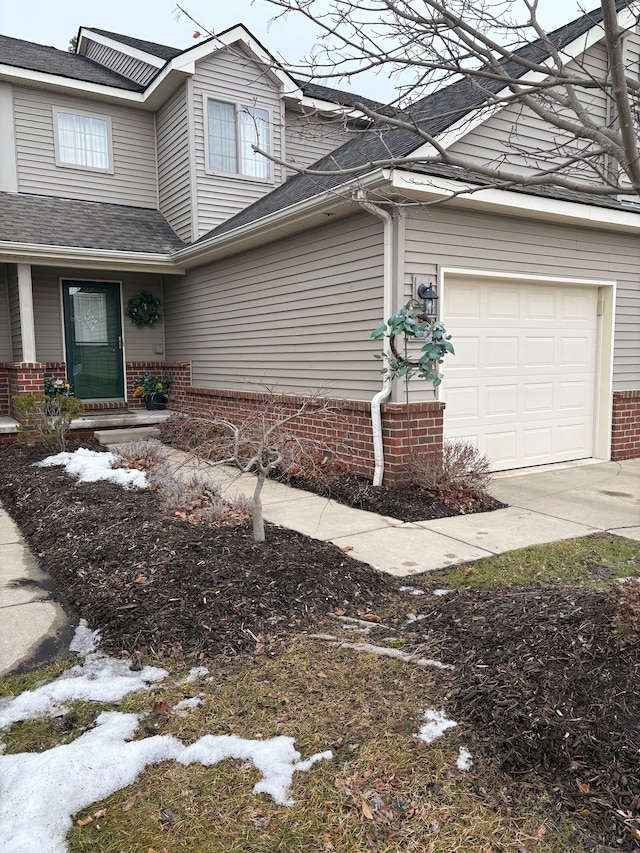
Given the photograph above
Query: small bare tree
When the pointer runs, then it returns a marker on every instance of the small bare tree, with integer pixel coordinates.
(265, 440)
(459, 62)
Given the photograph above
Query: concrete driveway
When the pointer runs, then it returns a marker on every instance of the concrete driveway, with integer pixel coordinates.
(602, 495)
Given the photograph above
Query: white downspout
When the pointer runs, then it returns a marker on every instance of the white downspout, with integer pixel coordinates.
(387, 311)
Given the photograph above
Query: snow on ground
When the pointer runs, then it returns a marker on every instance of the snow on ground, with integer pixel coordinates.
(436, 725)
(441, 592)
(465, 761)
(90, 465)
(40, 792)
(412, 590)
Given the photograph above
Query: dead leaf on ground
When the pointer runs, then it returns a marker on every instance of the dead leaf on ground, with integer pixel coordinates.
(366, 811)
(161, 707)
(85, 821)
(129, 804)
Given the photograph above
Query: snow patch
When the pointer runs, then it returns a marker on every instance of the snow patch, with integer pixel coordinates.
(436, 725)
(465, 761)
(441, 592)
(91, 465)
(84, 640)
(40, 792)
(186, 705)
(412, 590)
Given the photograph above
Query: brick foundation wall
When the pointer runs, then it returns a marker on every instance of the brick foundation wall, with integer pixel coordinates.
(625, 429)
(4, 392)
(24, 378)
(180, 370)
(345, 429)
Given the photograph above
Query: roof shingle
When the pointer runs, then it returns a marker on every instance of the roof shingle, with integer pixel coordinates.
(48, 221)
(50, 60)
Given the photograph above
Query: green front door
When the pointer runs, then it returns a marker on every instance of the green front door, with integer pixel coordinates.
(93, 333)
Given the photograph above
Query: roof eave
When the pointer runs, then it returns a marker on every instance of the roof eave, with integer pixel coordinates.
(491, 200)
(74, 256)
(293, 219)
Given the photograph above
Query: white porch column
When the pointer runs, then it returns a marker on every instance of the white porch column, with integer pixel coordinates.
(27, 324)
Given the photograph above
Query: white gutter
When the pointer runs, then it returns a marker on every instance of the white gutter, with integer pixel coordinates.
(387, 310)
(34, 253)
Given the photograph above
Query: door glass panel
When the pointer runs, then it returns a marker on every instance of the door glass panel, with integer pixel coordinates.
(93, 339)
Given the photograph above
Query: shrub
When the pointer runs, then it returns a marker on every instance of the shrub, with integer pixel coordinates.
(46, 420)
(460, 466)
(145, 455)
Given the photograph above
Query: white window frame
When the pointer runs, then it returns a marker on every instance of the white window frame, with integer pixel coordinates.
(238, 107)
(62, 163)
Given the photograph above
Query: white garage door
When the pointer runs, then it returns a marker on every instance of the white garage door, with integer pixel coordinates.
(522, 382)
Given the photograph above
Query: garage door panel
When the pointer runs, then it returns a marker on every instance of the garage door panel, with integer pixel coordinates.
(538, 397)
(524, 373)
(502, 351)
(501, 400)
(538, 351)
(539, 305)
(503, 303)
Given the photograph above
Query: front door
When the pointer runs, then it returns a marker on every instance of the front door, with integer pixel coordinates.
(93, 333)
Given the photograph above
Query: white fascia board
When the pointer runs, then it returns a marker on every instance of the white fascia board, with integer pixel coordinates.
(291, 219)
(24, 76)
(33, 253)
(187, 61)
(86, 33)
(328, 107)
(468, 123)
(506, 202)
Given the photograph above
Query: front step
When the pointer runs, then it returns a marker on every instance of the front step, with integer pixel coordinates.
(125, 436)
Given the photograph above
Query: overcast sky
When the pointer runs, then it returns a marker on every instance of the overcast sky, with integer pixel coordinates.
(54, 23)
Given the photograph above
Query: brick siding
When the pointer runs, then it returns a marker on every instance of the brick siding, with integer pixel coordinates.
(625, 430)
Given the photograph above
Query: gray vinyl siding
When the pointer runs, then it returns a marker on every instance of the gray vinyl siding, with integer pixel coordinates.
(141, 343)
(479, 241)
(232, 77)
(133, 181)
(310, 137)
(174, 171)
(517, 139)
(296, 314)
(14, 312)
(122, 63)
(5, 325)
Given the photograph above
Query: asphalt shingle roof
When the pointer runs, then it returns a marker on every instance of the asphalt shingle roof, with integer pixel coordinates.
(162, 51)
(48, 221)
(435, 113)
(50, 60)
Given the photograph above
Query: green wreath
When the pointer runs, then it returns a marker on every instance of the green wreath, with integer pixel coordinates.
(144, 309)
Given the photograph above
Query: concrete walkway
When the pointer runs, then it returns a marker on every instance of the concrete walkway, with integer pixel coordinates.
(546, 505)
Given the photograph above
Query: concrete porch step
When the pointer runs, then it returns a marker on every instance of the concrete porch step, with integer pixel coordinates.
(125, 436)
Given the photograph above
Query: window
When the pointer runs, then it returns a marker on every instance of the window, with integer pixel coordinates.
(82, 140)
(233, 130)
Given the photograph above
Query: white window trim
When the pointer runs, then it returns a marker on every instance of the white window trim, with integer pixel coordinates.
(238, 105)
(72, 111)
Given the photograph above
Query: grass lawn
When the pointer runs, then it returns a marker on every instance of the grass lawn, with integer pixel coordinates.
(385, 789)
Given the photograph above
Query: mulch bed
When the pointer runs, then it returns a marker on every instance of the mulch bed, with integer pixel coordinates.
(409, 503)
(540, 675)
(549, 696)
(155, 582)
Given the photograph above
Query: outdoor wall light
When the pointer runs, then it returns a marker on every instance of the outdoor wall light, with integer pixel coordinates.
(427, 301)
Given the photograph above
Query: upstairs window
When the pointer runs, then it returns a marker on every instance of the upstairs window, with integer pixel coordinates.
(232, 131)
(82, 140)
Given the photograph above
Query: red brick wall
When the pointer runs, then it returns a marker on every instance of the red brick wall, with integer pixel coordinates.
(24, 378)
(345, 429)
(181, 372)
(625, 430)
(4, 392)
